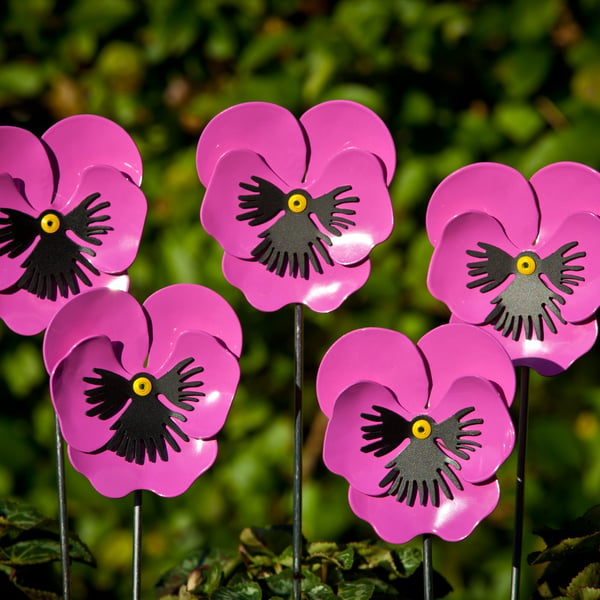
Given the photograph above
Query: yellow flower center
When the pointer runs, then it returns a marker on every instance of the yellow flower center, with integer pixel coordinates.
(526, 265)
(297, 202)
(421, 429)
(50, 223)
(142, 386)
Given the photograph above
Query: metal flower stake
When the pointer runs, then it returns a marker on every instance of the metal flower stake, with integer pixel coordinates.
(521, 260)
(71, 217)
(297, 206)
(417, 437)
(142, 390)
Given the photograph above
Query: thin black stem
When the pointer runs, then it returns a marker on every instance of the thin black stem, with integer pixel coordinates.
(62, 513)
(137, 544)
(427, 568)
(520, 484)
(297, 490)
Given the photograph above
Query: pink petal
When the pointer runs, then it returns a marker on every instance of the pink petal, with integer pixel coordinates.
(340, 124)
(497, 434)
(10, 198)
(381, 356)
(268, 292)
(491, 188)
(184, 306)
(448, 271)
(553, 355)
(26, 314)
(112, 313)
(83, 140)
(220, 378)
(67, 387)
(373, 218)
(24, 158)
(127, 212)
(265, 129)
(114, 477)
(343, 439)
(565, 188)
(221, 205)
(398, 523)
(458, 350)
(583, 228)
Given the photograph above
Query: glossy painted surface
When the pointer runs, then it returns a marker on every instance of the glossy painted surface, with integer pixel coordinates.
(483, 221)
(159, 375)
(255, 158)
(418, 431)
(82, 162)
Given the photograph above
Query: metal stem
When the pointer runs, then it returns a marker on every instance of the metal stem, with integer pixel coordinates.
(520, 484)
(62, 513)
(427, 568)
(137, 543)
(297, 490)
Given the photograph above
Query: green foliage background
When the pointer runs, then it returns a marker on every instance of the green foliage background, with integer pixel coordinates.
(513, 81)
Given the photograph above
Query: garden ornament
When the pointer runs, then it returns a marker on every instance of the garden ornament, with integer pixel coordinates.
(71, 216)
(297, 205)
(417, 436)
(141, 391)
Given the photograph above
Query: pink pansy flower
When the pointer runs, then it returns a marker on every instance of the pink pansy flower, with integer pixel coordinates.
(418, 431)
(296, 205)
(520, 258)
(71, 215)
(141, 391)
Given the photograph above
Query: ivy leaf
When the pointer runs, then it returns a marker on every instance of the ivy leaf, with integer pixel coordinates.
(586, 584)
(271, 541)
(361, 589)
(248, 590)
(342, 557)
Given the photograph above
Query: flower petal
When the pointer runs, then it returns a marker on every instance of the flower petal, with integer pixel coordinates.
(67, 387)
(268, 291)
(458, 350)
(552, 355)
(11, 199)
(492, 188)
(114, 477)
(496, 434)
(268, 130)
(340, 124)
(448, 275)
(80, 141)
(453, 520)
(562, 189)
(373, 215)
(219, 377)
(112, 313)
(126, 214)
(187, 306)
(24, 158)
(382, 356)
(583, 228)
(221, 210)
(26, 314)
(342, 452)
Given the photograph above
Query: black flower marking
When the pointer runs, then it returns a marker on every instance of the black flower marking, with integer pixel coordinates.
(528, 304)
(147, 426)
(57, 264)
(422, 469)
(295, 243)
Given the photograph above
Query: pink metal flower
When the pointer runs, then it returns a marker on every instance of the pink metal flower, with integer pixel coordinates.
(71, 215)
(141, 391)
(296, 205)
(520, 258)
(418, 431)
